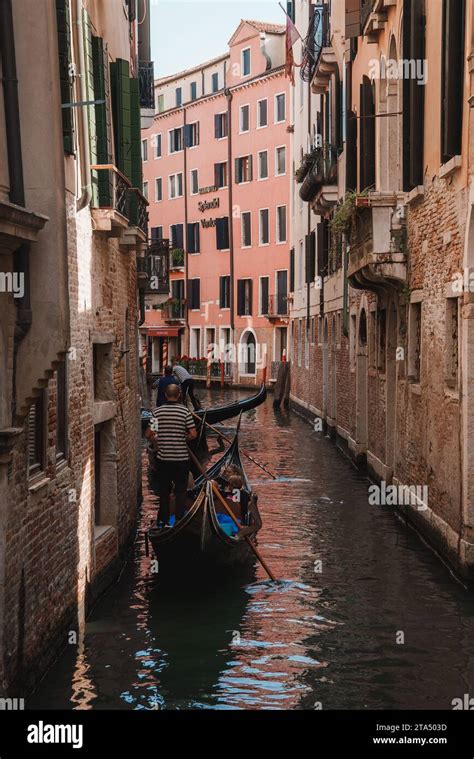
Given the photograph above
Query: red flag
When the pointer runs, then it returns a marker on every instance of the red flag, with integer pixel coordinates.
(292, 35)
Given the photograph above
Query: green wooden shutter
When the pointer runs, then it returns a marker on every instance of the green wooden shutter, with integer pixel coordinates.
(64, 49)
(90, 96)
(103, 121)
(120, 82)
(136, 175)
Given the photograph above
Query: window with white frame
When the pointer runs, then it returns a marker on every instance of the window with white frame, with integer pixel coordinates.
(220, 125)
(243, 169)
(262, 113)
(281, 224)
(280, 161)
(194, 182)
(246, 229)
(220, 174)
(176, 140)
(244, 118)
(263, 164)
(245, 61)
(264, 226)
(264, 296)
(144, 150)
(157, 143)
(280, 108)
(175, 185)
(158, 189)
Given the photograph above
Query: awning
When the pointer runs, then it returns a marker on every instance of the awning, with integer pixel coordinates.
(161, 331)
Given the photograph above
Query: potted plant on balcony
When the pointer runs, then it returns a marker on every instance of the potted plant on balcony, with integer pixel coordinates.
(346, 213)
(177, 258)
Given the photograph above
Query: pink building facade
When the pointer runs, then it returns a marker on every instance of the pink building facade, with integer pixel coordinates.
(217, 174)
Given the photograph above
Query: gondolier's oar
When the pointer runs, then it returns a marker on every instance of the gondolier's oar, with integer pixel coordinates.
(228, 440)
(229, 511)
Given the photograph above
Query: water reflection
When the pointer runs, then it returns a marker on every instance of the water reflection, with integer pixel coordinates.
(351, 579)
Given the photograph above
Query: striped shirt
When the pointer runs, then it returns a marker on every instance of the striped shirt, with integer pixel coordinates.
(171, 423)
(181, 373)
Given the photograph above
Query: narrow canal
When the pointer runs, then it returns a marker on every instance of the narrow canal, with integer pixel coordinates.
(325, 639)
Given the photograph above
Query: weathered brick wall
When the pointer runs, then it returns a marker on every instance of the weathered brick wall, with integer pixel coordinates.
(50, 557)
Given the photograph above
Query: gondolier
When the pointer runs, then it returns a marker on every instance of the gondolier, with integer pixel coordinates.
(171, 428)
(187, 384)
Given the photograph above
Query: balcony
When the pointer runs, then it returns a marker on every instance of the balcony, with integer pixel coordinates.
(137, 212)
(378, 250)
(317, 40)
(146, 85)
(325, 61)
(373, 17)
(277, 306)
(174, 310)
(320, 186)
(110, 199)
(153, 268)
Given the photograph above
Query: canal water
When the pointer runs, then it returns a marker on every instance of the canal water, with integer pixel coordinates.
(363, 616)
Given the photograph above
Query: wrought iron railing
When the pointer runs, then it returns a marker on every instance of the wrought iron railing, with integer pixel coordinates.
(277, 305)
(146, 84)
(110, 189)
(318, 37)
(366, 7)
(155, 264)
(322, 172)
(138, 209)
(174, 309)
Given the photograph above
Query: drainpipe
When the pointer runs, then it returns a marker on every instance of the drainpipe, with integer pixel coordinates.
(21, 257)
(85, 154)
(231, 226)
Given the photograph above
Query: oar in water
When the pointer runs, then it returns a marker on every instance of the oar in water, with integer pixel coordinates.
(228, 440)
(229, 511)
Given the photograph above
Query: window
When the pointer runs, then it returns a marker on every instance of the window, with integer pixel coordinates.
(282, 292)
(145, 189)
(262, 113)
(144, 150)
(451, 361)
(224, 292)
(36, 431)
(243, 169)
(413, 95)
(280, 161)
(246, 229)
(264, 284)
(220, 174)
(65, 59)
(176, 236)
(292, 270)
(264, 231)
(222, 233)
(452, 78)
(158, 189)
(281, 224)
(245, 62)
(280, 108)
(193, 90)
(193, 237)
(194, 182)
(61, 411)
(157, 141)
(244, 118)
(244, 297)
(194, 294)
(176, 140)
(215, 81)
(263, 164)
(220, 125)
(179, 96)
(414, 342)
(156, 233)
(191, 135)
(161, 103)
(175, 186)
(367, 134)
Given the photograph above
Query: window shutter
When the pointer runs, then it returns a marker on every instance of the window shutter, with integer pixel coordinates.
(250, 289)
(222, 233)
(136, 176)
(322, 249)
(89, 76)
(179, 236)
(367, 129)
(188, 135)
(103, 119)
(225, 125)
(221, 292)
(240, 297)
(64, 48)
(264, 295)
(238, 174)
(197, 293)
(216, 126)
(413, 95)
(122, 117)
(197, 238)
(190, 240)
(292, 270)
(310, 250)
(250, 168)
(452, 78)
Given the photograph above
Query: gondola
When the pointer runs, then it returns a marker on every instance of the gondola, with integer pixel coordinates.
(206, 541)
(221, 413)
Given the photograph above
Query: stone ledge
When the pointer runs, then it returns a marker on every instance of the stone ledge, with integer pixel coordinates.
(450, 167)
(103, 411)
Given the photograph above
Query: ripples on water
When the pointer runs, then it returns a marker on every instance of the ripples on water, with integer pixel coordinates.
(325, 635)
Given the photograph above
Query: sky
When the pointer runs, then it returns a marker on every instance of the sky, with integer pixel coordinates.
(185, 33)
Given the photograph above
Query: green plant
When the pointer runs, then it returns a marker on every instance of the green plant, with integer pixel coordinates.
(177, 257)
(341, 222)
